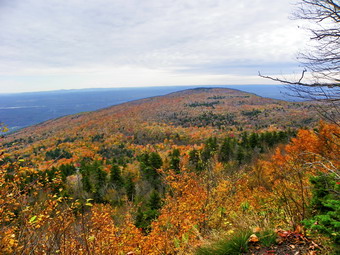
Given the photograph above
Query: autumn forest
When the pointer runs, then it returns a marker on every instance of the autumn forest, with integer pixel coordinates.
(199, 171)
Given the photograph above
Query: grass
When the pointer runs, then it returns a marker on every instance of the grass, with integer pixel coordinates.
(237, 244)
(267, 237)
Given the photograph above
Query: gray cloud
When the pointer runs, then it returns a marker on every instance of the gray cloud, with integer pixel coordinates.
(197, 36)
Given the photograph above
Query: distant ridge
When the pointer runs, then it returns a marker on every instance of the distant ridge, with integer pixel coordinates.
(24, 109)
(213, 108)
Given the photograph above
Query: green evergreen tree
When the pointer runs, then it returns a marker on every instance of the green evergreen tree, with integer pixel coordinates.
(175, 160)
(210, 147)
(146, 214)
(254, 140)
(115, 176)
(240, 157)
(130, 187)
(325, 207)
(67, 170)
(140, 220)
(155, 201)
(149, 164)
(99, 174)
(226, 151)
(268, 138)
(155, 161)
(85, 180)
(195, 160)
(244, 140)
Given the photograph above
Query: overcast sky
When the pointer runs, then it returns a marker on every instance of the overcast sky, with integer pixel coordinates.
(67, 44)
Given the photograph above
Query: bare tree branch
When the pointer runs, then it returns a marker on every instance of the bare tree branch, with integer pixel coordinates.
(316, 84)
(322, 62)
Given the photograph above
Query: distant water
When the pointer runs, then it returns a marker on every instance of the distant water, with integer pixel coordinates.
(24, 109)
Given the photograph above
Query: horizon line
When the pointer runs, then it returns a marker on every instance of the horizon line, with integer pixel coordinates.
(132, 87)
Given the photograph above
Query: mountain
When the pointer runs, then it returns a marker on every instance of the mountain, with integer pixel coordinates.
(186, 117)
(212, 108)
(162, 175)
(24, 109)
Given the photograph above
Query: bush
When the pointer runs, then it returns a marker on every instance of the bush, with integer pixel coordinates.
(325, 206)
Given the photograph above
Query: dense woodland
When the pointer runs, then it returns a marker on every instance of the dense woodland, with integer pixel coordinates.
(173, 175)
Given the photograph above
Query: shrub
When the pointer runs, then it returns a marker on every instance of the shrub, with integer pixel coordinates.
(325, 206)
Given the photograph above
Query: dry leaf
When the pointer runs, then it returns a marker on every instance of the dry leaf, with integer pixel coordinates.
(253, 239)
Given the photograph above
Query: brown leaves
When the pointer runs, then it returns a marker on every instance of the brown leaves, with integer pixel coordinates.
(253, 239)
(293, 237)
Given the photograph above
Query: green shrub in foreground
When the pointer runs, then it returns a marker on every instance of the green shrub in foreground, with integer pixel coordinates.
(325, 207)
(237, 244)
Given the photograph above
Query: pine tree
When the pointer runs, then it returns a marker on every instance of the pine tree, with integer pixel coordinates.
(240, 157)
(226, 151)
(254, 140)
(155, 161)
(155, 201)
(175, 160)
(115, 176)
(100, 175)
(85, 180)
(130, 187)
(195, 160)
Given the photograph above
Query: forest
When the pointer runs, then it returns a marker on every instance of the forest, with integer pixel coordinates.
(200, 171)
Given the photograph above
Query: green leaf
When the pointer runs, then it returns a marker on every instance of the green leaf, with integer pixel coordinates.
(32, 219)
(177, 243)
(185, 238)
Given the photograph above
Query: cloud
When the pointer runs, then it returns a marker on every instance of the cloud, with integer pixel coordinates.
(180, 38)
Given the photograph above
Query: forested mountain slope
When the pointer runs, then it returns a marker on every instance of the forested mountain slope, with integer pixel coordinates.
(187, 117)
(160, 175)
(19, 110)
(213, 109)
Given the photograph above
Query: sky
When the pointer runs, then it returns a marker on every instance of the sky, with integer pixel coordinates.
(71, 44)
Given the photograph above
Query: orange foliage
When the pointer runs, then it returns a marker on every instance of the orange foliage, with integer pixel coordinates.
(31, 219)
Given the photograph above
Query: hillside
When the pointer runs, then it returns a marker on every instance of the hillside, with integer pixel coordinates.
(20, 110)
(184, 118)
(161, 175)
(213, 109)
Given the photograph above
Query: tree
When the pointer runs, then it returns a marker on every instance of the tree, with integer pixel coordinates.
(226, 151)
(323, 61)
(175, 160)
(130, 187)
(155, 160)
(115, 176)
(210, 147)
(149, 164)
(155, 201)
(195, 160)
(149, 212)
(326, 206)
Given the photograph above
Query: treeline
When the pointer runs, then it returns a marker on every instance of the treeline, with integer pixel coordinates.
(240, 149)
(220, 121)
(205, 104)
(108, 182)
